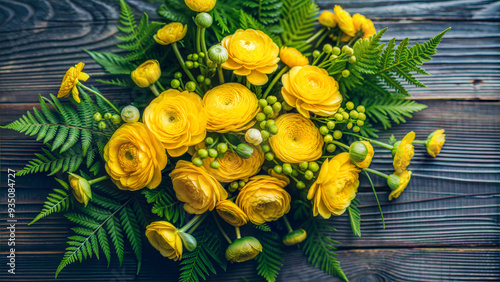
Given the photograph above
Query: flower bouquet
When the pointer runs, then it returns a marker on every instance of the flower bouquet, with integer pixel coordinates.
(254, 125)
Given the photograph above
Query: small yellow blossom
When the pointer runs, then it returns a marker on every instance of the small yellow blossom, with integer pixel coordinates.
(292, 57)
(70, 80)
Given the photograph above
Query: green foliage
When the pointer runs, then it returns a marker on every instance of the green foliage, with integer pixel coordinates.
(248, 21)
(355, 217)
(107, 220)
(403, 62)
(165, 203)
(176, 11)
(111, 62)
(226, 14)
(266, 12)
(270, 261)
(262, 227)
(298, 18)
(395, 109)
(200, 262)
(56, 202)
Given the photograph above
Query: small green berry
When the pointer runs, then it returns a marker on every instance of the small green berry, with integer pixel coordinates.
(266, 148)
(190, 57)
(97, 117)
(194, 57)
(107, 115)
(260, 116)
(197, 162)
(278, 169)
(268, 110)
(277, 107)
(333, 57)
(352, 59)
(200, 78)
(345, 115)
(273, 130)
(189, 64)
(356, 128)
(295, 173)
(331, 148)
(196, 65)
(207, 81)
(313, 166)
(116, 119)
(263, 124)
(241, 183)
(213, 153)
(222, 148)
(349, 105)
(215, 164)
(340, 110)
(330, 125)
(202, 153)
(271, 100)
(209, 141)
(262, 103)
(328, 138)
(191, 86)
(175, 83)
(323, 130)
(201, 54)
(300, 185)
(101, 125)
(269, 156)
(337, 134)
(178, 75)
(349, 125)
(361, 109)
(346, 73)
(308, 175)
(336, 51)
(270, 122)
(360, 122)
(233, 186)
(362, 116)
(304, 165)
(338, 117)
(327, 48)
(287, 169)
(354, 114)
(316, 53)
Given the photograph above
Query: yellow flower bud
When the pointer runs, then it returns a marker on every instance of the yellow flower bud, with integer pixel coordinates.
(294, 237)
(364, 25)
(292, 57)
(130, 114)
(253, 136)
(361, 153)
(403, 152)
(70, 80)
(81, 188)
(200, 5)
(170, 33)
(327, 19)
(435, 142)
(344, 21)
(404, 179)
(243, 249)
(231, 213)
(163, 236)
(146, 74)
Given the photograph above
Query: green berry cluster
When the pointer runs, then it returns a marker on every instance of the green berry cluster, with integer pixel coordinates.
(214, 150)
(100, 119)
(235, 185)
(270, 107)
(194, 61)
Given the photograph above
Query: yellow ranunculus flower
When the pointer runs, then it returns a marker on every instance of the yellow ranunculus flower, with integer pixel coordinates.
(252, 53)
(194, 186)
(344, 21)
(435, 142)
(163, 236)
(146, 74)
(233, 167)
(170, 33)
(70, 80)
(200, 5)
(404, 153)
(81, 188)
(178, 120)
(230, 107)
(364, 25)
(292, 57)
(264, 199)
(134, 157)
(369, 156)
(335, 187)
(404, 178)
(231, 213)
(311, 89)
(298, 139)
(327, 19)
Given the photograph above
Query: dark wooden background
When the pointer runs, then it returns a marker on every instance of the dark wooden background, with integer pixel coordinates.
(438, 230)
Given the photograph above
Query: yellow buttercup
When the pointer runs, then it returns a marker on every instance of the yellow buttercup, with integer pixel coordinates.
(292, 57)
(146, 74)
(344, 21)
(170, 33)
(404, 151)
(163, 236)
(231, 213)
(70, 80)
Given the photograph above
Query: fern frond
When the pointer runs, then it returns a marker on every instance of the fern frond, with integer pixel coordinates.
(298, 18)
(266, 12)
(270, 261)
(134, 235)
(248, 21)
(391, 109)
(176, 11)
(355, 217)
(56, 202)
(165, 204)
(111, 62)
(263, 227)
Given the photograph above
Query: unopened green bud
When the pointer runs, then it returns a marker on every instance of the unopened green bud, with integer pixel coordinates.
(197, 162)
(337, 134)
(260, 116)
(188, 240)
(222, 148)
(203, 20)
(202, 153)
(300, 185)
(209, 141)
(345, 115)
(215, 164)
(361, 116)
(265, 134)
(244, 150)
(294, 237)
(313, 166)
(278, 169)
(354, 114)
(130, 114)
(189, 64)
(393, 181)
(101, 125)
(338, 117)
(330, 125)
(268, 110)
(266, 148)
(327, 48)
(323, 130)
(262, 103)
(271, 99)
(352, 59)
(97, 117)
(349, 125)
(346, 73)
(243, 249)
(175, 83)
(233, 186)
(361, 109)
(356, 128)
(304, 165)
(276, 107)
(213, 153)
(287, 169)
(109, 115)
(328, 138)
(349, 105)
(308, 175)
(316, 53)
(200, 78)
(336, 51)
(269, 156)
(273, 129)
(218, 54)
(178, 75)
(191, 86)
(331, 148)
(358, 152)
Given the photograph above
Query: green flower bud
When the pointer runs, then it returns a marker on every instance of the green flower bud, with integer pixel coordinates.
(316, 53)
(197, 162)
(352, 59)
(241, 184)
(201, 54)
(178, 75)
(295, 173)
(328, 138)
(190, 57)
(287, 107)
(361, 116)
(269, 156)
(188, 240)
(349, 105)
(336, 51)
(260, 116)
(273, 129)
(196, 65)
(313, 166)
(270, 122)
(266, 148)
(218, 54)
(300, 185)
(361, 109)
(202, 153)
(203, 20)
(244, 150)
(268, 110)
(189, 64)
(358, 152)
(349, 125)
(222, 148)
(327, 48)
(215, 164)
(331, 148)
(175, 83)
(265, 134)
(191, 86)
(346, 73)
(330, 125)
(356, 128)
(207, 81)
(354, 114)
(101, 125)
(194, 57)
(233, 186)
(338, 117)
(263, 125)
(287, 169)
(263, 103)
(97, 117)
(323, 130)
(271, 99)
(213, 153)
(277, 107)
(360, 123)
(393, 181)
(200, 78)
(294, 237)
(278, 169)
(108, 115)
(337, 134)
(333, 57)
(304, 165)
(209, 141)
(308, 175)
(243, 249)
(345, 115)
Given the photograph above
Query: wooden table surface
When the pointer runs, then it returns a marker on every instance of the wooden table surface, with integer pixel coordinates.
(438, 230)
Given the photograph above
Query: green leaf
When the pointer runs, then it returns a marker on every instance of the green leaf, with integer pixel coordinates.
(111, 62)
(58, 201)
(298, 18)
(270, 261)
(355, 217)
(391, 109)
(247, 21)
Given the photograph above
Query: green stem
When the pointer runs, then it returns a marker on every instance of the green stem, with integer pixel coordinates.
(276, 78)
(338, 38)
(221, 75)
(154, 89)
(353, 40)
(183, 65)
(190, 223)
(321, 39)
(287, 223)
(376, 198)
(221, 230)
(376, 172)
(204, 45)
(420, 142)
(340, 144)
(316, 35)
(198, 223)
(238, 233)
(100, 96)
(159, 85)
(98, 179)
(381, 144)
(247, 84)
(198, 36)
(317, 58)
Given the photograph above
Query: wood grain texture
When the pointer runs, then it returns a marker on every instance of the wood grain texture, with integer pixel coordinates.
(437, 230)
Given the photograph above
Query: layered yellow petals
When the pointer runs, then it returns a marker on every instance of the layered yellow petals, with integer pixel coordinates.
(81, 188)
(200, 5)
(70, 80)
(404, 178)
(178, 120)
(163, 236)
(435, 142)
(344, 21)
(146, 74)
(230, 107)
(252, 53)
(194, 186)
(369, 156)
(292, 57)
(298, 139)
(233, 167)
(361, 23)
(335, 187)
(134, 157)
(170, 33)
(263, 199)
(231, 213)
(311, 89)
(327, 18)
(404, 153)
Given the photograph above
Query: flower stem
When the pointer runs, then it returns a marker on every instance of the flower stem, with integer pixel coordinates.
(221, 230)
(381, 144)
(287, 223)
(238, 233)
(276, 78)
(321, 39)
(100, 96)
(198, 223)
(340, 144)
(420, 142)
(376, 198)
(353, 40)
(203, 44)
(183, 65)
(159, 85)
(98, 179)
(198, 36)
(190, 223)
(316, 35)
(221, 75)
(338, 38)
(376, 172)
(154, 89)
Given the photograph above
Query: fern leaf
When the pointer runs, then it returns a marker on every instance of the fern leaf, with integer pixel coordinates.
(176, 11)
(298, 18)
(111, 62)
(56, 202)
(355, 217)
(134, 236)
(270, 261)
(391, 109)
(247, 21)
(125, 82)
(104, 244)
(165, 204)
(115, 232)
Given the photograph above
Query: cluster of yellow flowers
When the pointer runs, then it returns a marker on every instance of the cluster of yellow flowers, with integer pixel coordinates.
(209, 123)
